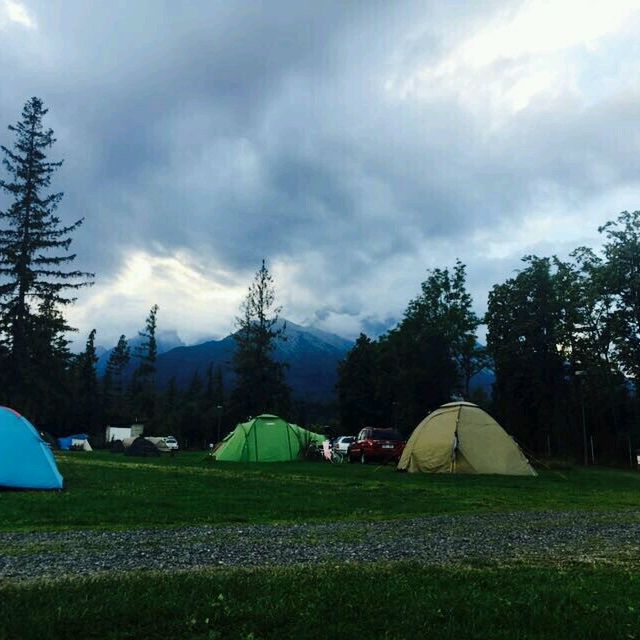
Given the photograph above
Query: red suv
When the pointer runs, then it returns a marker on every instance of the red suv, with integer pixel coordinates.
(381, 445)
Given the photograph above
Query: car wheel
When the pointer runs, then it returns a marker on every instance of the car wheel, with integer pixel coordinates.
(363, 459)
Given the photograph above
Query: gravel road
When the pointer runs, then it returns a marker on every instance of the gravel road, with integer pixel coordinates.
(600, 537)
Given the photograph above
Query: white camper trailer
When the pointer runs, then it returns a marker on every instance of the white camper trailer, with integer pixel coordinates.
(121, 433)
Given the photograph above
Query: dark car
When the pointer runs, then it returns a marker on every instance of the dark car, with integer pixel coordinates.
(376, 445)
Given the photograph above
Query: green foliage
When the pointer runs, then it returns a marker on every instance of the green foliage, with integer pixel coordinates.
(259, 384)
(143, 384)
(564, 336)
(48, 396)
(524, 332)
(113, 385)
(360, 399)
(34, 248)
(87, 405)
(621, 279)
(430, 356)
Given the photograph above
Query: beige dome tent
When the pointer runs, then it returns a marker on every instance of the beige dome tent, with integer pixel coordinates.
(460, 437)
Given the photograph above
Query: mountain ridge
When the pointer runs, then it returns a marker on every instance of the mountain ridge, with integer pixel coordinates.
(312, 356)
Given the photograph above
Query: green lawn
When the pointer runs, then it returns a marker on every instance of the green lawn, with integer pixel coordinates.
(345, 600)
(110, 491)
(399, 600)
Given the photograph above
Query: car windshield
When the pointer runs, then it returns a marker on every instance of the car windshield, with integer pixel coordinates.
(385, 434)
(348, 439)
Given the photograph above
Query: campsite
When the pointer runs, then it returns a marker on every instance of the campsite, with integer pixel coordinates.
(233, 548)
(459, 532)
(319, 320)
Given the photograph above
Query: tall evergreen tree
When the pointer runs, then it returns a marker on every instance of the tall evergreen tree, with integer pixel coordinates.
(48, 400)
(358, 379)
(194, 422)
(34, 245)
(259, 386)
(87, 402)
(147, 351)
(213, 400)
(171, 410)
(143, 381)
(116, 409)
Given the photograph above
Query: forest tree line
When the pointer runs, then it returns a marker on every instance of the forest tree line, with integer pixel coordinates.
(562, 340)
(60, 391)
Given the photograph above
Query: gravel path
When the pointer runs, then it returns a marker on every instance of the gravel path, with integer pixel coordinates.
(504, 537)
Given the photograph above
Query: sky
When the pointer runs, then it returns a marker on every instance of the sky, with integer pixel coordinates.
(353, 145)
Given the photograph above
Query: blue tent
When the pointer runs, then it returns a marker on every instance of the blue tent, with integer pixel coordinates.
(65, 443)
(26, 461)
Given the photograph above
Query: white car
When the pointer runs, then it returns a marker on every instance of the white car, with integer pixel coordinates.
(171, 442)
(341, 444)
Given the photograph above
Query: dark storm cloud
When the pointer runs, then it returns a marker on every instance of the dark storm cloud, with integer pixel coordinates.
(239, 131)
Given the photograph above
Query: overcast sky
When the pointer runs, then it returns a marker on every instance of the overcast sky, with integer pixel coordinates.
(353, 144)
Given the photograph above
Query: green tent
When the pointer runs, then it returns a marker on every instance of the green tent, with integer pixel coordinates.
(265, 438)
(460, 437)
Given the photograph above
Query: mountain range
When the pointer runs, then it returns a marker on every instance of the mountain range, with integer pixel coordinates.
(312, 356)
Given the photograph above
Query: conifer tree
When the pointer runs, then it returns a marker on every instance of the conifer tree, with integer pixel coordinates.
(34, 244)
(87, 400)
(147, 352)
(259, 386)
(213, 403)
(143, 382)
(50, 382)
(113, 381)
(358, 376)
(171, 406)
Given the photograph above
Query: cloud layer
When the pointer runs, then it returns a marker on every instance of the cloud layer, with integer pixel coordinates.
(354, 145)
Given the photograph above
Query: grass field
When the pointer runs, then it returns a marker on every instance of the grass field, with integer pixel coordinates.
(113, 491)
(364, 601)
(492, 600)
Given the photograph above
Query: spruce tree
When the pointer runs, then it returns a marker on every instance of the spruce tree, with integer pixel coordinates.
(34, 244)
(147, 352)
(50, 382)
(87, 390)
(213, 405)
(113, 381)
(143, 382)
(357, 387)
(259, 386)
